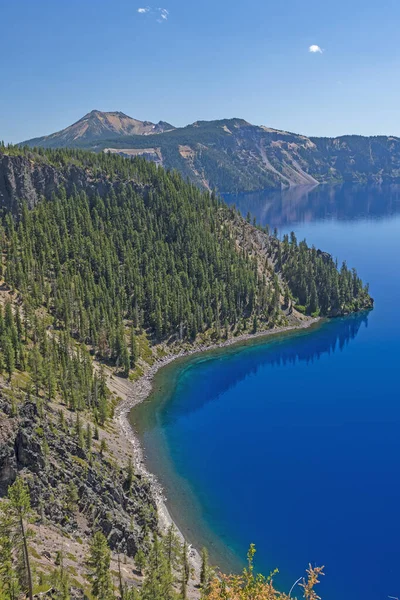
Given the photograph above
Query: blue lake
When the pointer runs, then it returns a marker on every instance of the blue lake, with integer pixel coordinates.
(293, 442)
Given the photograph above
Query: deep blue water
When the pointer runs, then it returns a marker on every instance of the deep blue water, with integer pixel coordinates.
(294, 443)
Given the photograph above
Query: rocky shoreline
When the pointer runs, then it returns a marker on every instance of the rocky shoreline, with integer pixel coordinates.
(133, 393)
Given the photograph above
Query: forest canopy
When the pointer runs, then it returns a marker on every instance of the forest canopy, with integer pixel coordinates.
(154, 253)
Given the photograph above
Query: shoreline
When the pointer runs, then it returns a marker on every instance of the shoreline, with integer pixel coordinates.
(137, 392)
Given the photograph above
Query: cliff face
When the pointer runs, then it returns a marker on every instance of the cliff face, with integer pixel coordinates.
(69, 485)
(22, 178)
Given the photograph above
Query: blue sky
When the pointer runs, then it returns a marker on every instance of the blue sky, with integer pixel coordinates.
(201, 60)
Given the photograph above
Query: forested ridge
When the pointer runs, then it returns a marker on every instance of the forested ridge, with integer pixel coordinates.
(154, 256)
(99, 283)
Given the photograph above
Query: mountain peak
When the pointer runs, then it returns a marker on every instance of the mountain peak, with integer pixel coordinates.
(101, 113)
(98, 125)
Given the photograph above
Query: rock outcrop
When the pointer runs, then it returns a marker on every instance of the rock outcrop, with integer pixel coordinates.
(25, 178)
(69, 485)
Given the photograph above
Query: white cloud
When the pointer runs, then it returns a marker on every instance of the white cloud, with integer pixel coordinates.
(161, 14)
(315, 49)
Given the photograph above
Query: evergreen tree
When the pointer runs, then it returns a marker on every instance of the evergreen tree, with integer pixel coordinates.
(36, 367)
(72, 496)
(18, 512)
(129, 475)
(158, 580)
(133, 349)
(88, 437)
(9, 583)
(313, 302)
(8, 354)
(99, 560)
(79, 431)
(103, 447)
(60, 580)
(140, 561)
(172, 548)
(205, 572)
(185, 570)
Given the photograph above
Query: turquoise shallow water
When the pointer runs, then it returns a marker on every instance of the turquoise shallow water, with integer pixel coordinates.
(294, 442)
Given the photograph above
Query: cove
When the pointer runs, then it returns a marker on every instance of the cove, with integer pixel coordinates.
(293, 442)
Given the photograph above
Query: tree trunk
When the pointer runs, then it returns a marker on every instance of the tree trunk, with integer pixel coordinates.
(121, 586)
(28, 566)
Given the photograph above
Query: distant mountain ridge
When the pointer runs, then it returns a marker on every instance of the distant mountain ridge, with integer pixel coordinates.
(234, 156)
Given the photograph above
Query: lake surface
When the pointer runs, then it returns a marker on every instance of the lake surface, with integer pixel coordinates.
(293, 442)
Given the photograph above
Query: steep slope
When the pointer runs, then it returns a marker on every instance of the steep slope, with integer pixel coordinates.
(98, 125)
(234, 156)
(114, 266)
(354, 158)
(28, 177)
(146, 204)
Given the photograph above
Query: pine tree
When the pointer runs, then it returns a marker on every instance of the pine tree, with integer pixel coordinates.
(36, 367)
(99, 560)
(133, 349)
(172, 548)
(88, 437)
(129, 475)
(79, 431)
(313, 302)
(125, 359)
(50, 380)
(9, 354)
(72, 496)
(9, 584)
(120, 582)
(185, 570)
(140, 561)
(103, 410)
(19, 506)
(204, 572)
(60, 580)
(158, 580)
(103, 447)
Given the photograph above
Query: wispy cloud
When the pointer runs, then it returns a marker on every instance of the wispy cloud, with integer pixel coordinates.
(164, 14)
(314, 49)
(160, 14)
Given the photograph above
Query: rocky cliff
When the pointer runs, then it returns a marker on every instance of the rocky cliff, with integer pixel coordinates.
(70, 487)
(28, 178)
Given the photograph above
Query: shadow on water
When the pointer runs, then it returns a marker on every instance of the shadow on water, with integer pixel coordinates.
(347, 202)
(238, 362)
